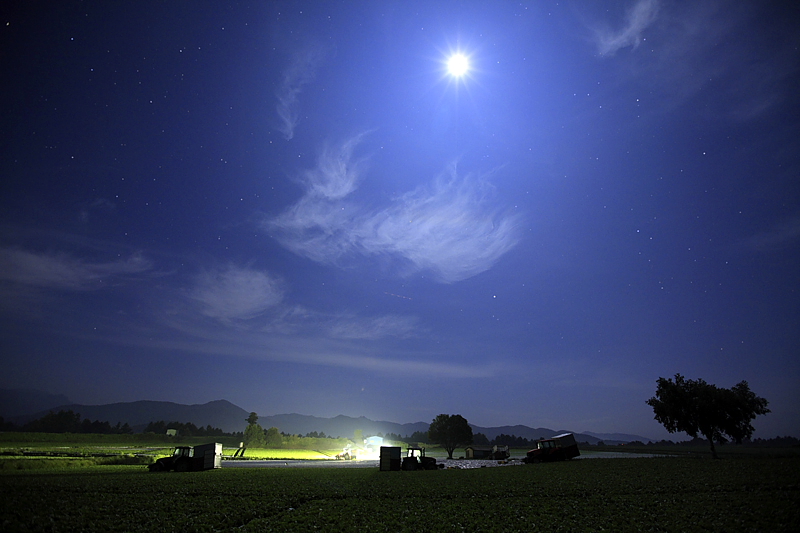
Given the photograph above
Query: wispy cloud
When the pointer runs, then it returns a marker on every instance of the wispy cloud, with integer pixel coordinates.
(746, 72)
(345, 353)
(236, 293)
(641, 15)
(63, 271)
(374, 328)
(450, 228)
(297, 76)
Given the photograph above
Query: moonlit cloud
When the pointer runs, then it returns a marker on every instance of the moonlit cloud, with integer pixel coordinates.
(639, 17)
(236, 293)
(324, 353)
(63, 271)
(338, 173)
(374, 328)
(299, 73)
(450, 228)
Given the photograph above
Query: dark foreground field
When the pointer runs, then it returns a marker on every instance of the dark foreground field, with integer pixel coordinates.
(666, 494)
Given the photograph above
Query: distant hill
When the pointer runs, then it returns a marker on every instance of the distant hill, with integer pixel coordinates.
(345, 426)
(339, 426)
(531, 433)
(219, 414)
(610, 438)
(17, 402)
(231, 418)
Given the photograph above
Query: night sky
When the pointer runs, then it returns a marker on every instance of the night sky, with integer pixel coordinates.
(295, 207)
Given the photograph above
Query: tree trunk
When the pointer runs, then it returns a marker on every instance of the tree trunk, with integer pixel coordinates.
(713, 449)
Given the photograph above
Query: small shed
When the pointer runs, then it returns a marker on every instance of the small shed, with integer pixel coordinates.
(374, 442)
(478, 451)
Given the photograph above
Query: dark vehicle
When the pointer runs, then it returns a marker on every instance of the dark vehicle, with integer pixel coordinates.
(559, 448)
(415, 460)
(190, 459)
(499, 452)
(348, 454)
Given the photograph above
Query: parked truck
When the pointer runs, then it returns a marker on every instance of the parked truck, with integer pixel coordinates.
(559, 448)
(191, 459)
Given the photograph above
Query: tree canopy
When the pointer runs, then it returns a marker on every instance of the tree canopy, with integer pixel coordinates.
(450, 431)
(273, 438)
(699, 408)
(254, 436)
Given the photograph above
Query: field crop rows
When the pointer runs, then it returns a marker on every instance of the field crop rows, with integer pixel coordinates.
(664, 494)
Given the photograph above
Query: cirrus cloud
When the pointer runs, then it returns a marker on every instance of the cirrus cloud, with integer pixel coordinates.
(297, 76)
(639, 17)
(64, 271)
(236, 293)
(450, 228)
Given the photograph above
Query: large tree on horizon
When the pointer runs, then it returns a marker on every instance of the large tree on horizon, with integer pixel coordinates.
(450, 431)
(699, 408)
(254, 436)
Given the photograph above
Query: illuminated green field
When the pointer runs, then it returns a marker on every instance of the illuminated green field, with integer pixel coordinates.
(669, 494)
(280, 453)
(16, 445)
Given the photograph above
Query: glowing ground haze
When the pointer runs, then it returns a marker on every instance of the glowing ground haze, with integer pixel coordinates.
(295, 207)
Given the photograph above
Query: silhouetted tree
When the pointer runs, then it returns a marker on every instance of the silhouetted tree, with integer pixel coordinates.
(60, 422)
(512, 441)
(699, 408)
(252, 419)
(480, 438)
(394, 437)
(418, 436)
(186, 429)
(254, 436)
(450, 431)
(273, 438)
(159, 427)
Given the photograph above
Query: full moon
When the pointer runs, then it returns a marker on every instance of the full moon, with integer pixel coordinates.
(457, 65)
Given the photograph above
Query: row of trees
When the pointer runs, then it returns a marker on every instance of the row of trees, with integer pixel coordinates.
(774, 442)
(186, 429)
(68, 422)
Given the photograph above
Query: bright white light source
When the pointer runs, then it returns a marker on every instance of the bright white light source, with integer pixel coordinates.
(457, 65)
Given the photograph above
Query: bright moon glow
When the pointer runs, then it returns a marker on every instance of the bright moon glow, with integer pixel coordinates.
(457, 65)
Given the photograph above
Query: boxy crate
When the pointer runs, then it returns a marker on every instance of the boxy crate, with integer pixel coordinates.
(390, 458)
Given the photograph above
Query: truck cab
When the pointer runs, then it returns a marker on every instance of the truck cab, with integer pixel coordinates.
(182, 451)
(415, 460)
(559, 448)
(190, 459)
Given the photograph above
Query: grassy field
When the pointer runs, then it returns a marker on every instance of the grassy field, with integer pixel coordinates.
(663, 494)
(21, 450)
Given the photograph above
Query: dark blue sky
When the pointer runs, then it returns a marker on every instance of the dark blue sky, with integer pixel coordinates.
(293, 206)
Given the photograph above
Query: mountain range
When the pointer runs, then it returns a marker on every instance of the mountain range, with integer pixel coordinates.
(232, 418)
